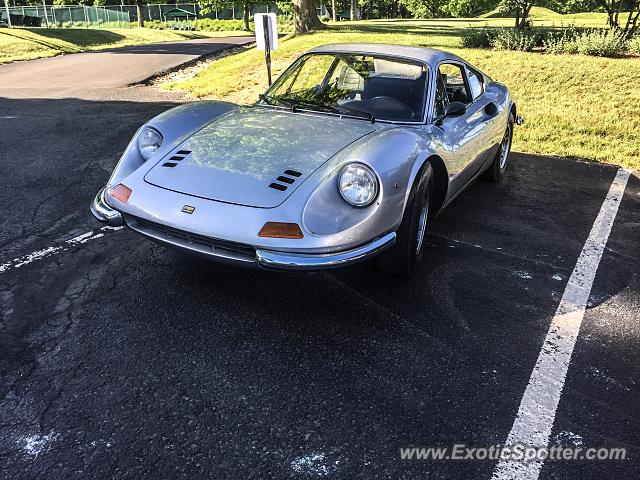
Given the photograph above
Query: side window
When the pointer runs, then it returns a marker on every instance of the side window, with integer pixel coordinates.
(441, 101)
(453, 77)
(476, 82)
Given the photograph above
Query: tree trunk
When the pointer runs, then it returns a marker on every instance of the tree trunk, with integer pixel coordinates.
(352, 11)
(139, 13)
(305, 16)
(245, 16)
(333, 10)
(517, 19)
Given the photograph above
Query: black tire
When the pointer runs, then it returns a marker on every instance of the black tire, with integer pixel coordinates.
(497, 168)
(403, 258)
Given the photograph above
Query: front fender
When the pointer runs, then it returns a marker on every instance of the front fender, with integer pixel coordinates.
(396, 154)
(175, 125)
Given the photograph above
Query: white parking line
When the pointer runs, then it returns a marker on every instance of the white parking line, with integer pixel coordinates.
(533, 424)
(47, 252)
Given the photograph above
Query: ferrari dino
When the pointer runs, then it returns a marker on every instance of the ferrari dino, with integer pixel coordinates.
(348, 155)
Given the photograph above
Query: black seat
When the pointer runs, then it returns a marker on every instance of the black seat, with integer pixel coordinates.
(405, 90)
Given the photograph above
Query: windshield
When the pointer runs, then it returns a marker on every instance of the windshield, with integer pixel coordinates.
(371, 87)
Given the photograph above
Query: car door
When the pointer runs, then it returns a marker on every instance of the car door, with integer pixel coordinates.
(468, 134)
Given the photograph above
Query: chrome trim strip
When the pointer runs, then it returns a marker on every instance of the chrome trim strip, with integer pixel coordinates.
(104, 212)
(299, 261)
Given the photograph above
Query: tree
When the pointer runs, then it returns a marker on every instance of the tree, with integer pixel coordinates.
(615, 7)
(520, 8)
(139, 13)
(305, 16)
(574, 6)
(424, 8)
(210, 6)
(469, 8)
(354, 11)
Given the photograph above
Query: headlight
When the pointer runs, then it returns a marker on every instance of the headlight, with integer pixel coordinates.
(149, 140)
(358, 185)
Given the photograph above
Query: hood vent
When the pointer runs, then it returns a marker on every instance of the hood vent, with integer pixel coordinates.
(285, 179)
(180, 155)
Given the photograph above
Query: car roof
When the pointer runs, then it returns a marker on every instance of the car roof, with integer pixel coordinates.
(430, 56)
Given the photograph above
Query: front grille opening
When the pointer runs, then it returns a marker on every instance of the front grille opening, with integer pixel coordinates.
(169, 164)
(176, 158)
(182, 237)
(293, 173)
(183, 152)
(278, 186)
(285, 179)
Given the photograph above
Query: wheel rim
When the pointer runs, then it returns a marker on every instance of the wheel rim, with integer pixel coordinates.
(422, 225)
(505, 148)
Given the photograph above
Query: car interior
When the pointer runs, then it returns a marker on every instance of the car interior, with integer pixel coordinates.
(387, 89)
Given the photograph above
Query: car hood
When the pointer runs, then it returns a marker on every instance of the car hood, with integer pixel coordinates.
(237, 157)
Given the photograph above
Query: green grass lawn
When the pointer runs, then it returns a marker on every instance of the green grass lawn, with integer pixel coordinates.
(29, 43)
(575, 106)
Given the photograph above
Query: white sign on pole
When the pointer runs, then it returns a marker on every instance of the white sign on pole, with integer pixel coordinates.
(273, 30)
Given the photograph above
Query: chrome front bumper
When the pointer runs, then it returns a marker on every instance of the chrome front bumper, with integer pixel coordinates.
(305, 262)
(237, 254)
(104, 212)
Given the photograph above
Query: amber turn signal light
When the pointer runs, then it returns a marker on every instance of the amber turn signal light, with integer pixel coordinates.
(121, 193)
(280, 230)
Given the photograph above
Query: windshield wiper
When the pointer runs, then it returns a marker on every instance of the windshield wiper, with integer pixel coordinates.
(369, 116)
(293, 102)
(330, 108)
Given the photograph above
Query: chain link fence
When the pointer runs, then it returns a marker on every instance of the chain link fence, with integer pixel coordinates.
(120, 16)
(156, 11)
(68, 17)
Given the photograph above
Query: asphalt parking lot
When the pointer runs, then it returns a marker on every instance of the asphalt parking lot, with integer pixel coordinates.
(121, 359)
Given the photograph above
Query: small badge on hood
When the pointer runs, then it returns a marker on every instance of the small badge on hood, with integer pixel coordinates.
(188, 209)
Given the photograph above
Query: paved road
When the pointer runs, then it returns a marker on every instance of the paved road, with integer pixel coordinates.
(119, 67)
(120, 359)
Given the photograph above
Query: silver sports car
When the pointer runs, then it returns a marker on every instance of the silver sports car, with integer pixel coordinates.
(348, 155)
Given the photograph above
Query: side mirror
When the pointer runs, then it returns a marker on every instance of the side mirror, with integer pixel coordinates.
(455, 109)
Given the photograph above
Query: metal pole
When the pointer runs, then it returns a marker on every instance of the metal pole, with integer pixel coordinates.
(70, 16)
(86, 17)
(267, 46)
(6, 7)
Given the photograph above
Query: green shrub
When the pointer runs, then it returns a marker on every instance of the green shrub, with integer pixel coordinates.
(598, 42)
(477, 37)
(215, 25)
(562, 40)
(602, 44)
(510, 39)
(634, 45)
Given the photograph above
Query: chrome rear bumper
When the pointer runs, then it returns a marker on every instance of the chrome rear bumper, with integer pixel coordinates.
(233, 253)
